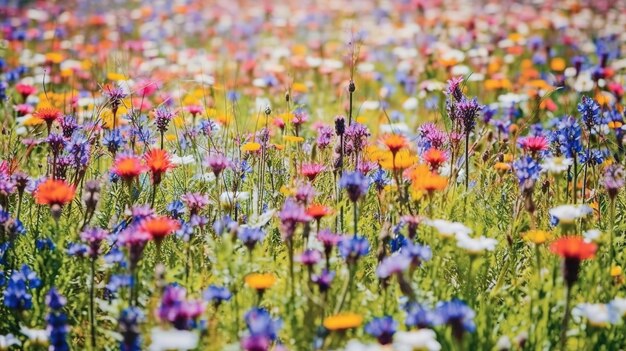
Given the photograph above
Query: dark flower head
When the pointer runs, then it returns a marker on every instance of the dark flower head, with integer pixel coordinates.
(383, 329)
(355, 183)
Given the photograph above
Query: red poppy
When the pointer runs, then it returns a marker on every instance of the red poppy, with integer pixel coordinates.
(318, 211)
(574, 247)
(159, 227)
(158, 161)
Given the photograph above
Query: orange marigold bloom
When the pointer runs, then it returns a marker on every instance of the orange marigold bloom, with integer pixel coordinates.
(394, 142)
(343, 321)
(158, 161)
(54, 192)
(422, 179)
(317, 211)
(435, 158)
(159, 227)
(128, 166)
(260, 281)
(401, 160)
(574, 247)
(48, 114)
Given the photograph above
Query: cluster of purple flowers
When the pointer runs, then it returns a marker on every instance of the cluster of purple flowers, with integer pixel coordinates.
(262, 330)
(177, 309)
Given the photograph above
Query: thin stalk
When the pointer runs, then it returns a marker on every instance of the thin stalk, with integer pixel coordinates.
(92, 309)
(566, 317)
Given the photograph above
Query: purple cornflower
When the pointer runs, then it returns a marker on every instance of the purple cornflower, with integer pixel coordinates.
(355, 183)
(613, 179)
(218, 163)
(79, 149)
(353, 247)
(177, 309)
(468, 111)
(113, 140)
(114, 95)
(140, 212)
(7, 185)
(356, 138)
(225, 225)
(589, 109)
(135, 241)
(417, 253)
(250, 236)
(305, 193)
(323, 280)
(129, 329)
(93, 237)
(162, 118)
(56, 142)
(195, 202)
(394, 264)
(290, 216)
(431, 137)
(68, 125)
(216, 294)
(457, 315)
(310, 257)
(324, 136)
(454, 88)
(383, 329)
(527, 171)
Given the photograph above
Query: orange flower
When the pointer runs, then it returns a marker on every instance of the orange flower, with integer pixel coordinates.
(343, 321)
(422, 179)
(402, 160)
(574, 247)
(159, 227)
(158, 161)
(317, 211)
(128, 166)
(54, 192)
(435, 158)
(394, 142)
(260, 281)
(48, 114)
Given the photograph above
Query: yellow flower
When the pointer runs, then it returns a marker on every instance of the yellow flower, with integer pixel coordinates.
(285, 190)
(260, 281)
(251, 147)
(502, 166)
(616, 271)
(107, 118)
(170, 137)
(33, 121)
(537, 236)
(360, 119)
(115, 76)
(404, 159)
(343, 321)
(299, 88)
(293, 139)
(557, 64)
(54, 57)
(179, 121)
(615, 124)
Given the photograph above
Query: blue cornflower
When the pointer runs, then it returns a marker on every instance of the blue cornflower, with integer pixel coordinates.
(567, 137)
(57, 321)
(380, 179)
(419, 316)
(117, 281)
(216, 294)
(113, 140)
(397, 242)
(383, 329)
(457, 315)
(224, 225)
(527, 171)
(589, 110)
(417, 253)
(17, 294)
(260, 323)
(250, 236)
(77, 249)
(45, 244)
(353, 247)
(593, 156)
(355, 183)
(176, 209)
(129, 329)
(79, 149)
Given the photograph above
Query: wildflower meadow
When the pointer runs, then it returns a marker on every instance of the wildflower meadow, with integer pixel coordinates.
(261, 175)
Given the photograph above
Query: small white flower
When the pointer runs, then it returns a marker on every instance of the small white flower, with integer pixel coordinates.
(356, 345)
(184, 160)
(475, 246)
(592, 235)
(36, 336)
(618, 305)
(6, 341)
(556, 165)
(567, 214)
(229, 197)
(410, 103)
(504, 343)
(423, 339)
(447, 228)
(165, 340)
(598, 314)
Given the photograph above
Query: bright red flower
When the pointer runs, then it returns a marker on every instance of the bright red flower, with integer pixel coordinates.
(311, 170)
(159, 162)
(574, 247)
(317, 211)
(159, 227)
(54, 192)
(48, 114)
(435, 158)
(534, 144)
